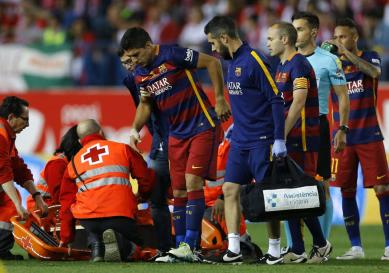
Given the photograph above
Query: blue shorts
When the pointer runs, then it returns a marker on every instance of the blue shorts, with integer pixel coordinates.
(244, 165)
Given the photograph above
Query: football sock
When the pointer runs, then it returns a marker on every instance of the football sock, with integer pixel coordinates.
(326, 219)
(313, 225)
(351, 219)
(234, 242)
(274, 247)
(179, 219)
(287, 234)
(384, 210)
(296, 235)
(194, 215)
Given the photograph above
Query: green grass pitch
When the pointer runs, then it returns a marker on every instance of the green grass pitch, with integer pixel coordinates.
(372, 238)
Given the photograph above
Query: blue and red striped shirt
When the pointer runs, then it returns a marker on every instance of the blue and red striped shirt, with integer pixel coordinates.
(297, 73)
(362, 91)
(173, 84)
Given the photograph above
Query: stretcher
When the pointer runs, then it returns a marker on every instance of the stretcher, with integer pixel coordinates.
(39, 237)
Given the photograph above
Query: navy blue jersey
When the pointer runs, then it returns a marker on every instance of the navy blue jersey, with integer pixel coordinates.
(157, 125)
(256, 104)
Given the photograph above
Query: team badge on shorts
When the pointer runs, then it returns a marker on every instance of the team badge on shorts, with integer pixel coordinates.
(238, 71)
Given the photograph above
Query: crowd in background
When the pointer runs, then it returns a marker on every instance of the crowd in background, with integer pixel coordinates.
(93, 28)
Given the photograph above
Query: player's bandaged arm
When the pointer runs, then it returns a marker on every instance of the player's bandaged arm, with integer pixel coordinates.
(300, 91)
(366, 67)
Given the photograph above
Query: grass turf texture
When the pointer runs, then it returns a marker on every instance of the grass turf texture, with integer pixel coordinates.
(372, 239)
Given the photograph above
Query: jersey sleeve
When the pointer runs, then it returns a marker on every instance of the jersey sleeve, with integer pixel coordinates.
(6, 173)
(300, 73)
(335, 72)
(373, 58)
(183, 57)
(263, 79)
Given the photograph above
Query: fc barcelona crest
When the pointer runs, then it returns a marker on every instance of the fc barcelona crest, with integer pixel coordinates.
(238, 71)
(162, 69)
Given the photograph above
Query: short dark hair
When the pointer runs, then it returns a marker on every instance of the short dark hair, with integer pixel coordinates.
(135, 37)
(312, 19)
(12, 105)
(222, 25)
(346, 22)
(120, 52)
(69, 143)
(288, 30)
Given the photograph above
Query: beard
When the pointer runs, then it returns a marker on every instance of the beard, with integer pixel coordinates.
(224, 52)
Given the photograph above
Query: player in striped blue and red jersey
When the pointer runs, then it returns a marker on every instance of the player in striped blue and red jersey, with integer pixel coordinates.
(364, 139)
(165, 76)
(295, 78)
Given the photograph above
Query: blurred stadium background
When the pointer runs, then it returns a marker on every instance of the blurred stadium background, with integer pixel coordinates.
(60, 55)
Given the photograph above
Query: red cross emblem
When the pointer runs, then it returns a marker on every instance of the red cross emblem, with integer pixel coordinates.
(94, 154)
(26, 242)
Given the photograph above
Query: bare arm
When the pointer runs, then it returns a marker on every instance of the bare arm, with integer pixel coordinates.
(299, 98)
(143, 113)
(344, 103)
(366, 67)
(344, 110)
(216, 75)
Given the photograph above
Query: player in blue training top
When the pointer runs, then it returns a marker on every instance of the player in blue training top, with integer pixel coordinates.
(364, 140)
(329, 76)
(159, 129)
(165, 76)
(257, 110)
(296, 80)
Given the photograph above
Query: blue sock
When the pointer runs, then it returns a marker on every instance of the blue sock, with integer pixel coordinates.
(297, 236)
(384, 209)
(194, 215)
(179, 222)
(326, 219)
(351, 220)
(288, 235)
(313, 225)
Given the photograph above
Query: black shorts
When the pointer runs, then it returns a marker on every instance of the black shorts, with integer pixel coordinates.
(324, 157)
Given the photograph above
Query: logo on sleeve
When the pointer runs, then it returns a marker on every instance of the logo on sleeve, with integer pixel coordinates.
(94, 154)
(189, 55)
(376, 61)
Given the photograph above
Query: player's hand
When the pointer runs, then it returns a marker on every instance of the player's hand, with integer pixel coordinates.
(144, 92)
(218, 210)
(134, 140)
(222, 109)
(341, 47)
(339, 141)
(41, 205)
(23, 213)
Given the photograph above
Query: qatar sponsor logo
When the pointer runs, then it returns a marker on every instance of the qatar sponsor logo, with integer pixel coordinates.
(159, 87)
(354, 87)
(234, 88)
